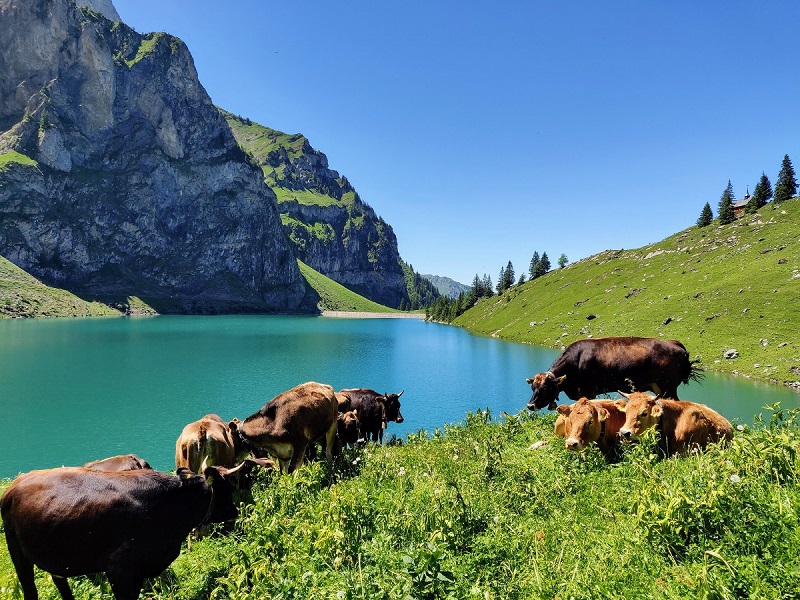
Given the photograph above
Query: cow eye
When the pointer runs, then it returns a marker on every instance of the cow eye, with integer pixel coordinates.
(643, 413)
(591, 421)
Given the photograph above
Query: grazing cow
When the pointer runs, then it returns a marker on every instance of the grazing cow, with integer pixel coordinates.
(348, 429)
(288, 423)
(130, 524)
(591, 367)
(343, 401)
(374, 411)
(209, 441)
(589, 421)
(122, 462)
(682, 425)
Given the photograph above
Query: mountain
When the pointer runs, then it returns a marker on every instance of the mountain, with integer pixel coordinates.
(716, 289)
(446, 286)
(119, 177)
(332, 229)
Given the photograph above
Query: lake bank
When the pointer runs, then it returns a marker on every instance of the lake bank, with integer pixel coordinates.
(345, 314)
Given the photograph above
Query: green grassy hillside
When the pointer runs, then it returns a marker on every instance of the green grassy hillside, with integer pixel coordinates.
(474, 512)
(22, 295)
(334, 296)
(717, 288)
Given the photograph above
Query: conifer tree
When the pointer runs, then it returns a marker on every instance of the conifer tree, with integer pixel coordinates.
(761, 195)
(543, 266)
(706, 216)
(487, 286)
(533, 265)
(726, 215)
(501, 279)
(563, 261)
(509, 277)
(786, 185)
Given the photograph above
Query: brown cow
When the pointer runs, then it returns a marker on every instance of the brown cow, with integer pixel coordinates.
(591, 421)
(209, 441)
(128, 524)
(682, 425)
(348, 429)
(374, 411)
(288, 423)
(122, 462)
(594, 366)
(344, 402)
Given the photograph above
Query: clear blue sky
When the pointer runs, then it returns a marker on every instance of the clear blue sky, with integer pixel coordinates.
(484, 132)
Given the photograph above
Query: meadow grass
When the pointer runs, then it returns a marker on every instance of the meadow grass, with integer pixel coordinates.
(334, 296)
(471, 511)
(717, 288)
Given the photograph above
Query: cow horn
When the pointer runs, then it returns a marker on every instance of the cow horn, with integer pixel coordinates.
(624, 395)
(401, 393)
(235, 469)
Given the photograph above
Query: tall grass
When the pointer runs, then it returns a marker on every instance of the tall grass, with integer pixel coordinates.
(471, 511)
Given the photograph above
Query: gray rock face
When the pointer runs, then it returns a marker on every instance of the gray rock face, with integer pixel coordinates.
(140, 187)
(104, 7)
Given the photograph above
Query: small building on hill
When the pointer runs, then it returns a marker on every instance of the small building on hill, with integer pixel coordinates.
(738, 205)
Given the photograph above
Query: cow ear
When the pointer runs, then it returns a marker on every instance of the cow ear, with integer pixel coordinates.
(621, 404)
(602, 414)
(560, 380)
(529, 381)
(656, 410)
(564, 409)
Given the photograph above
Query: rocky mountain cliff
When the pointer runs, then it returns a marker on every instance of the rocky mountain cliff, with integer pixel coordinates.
(333, 230)
(118, 176)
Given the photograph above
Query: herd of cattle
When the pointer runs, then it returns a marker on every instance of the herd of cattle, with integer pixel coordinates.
(120, 517)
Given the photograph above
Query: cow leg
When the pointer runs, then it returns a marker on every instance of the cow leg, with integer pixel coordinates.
(125, 585)
(330, 440)
(63, 588)
(298, 454)
(23, 567)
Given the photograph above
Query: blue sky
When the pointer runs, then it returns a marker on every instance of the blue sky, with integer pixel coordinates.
(484, 132)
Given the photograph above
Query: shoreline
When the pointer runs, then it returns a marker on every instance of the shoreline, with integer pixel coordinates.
(345, 314)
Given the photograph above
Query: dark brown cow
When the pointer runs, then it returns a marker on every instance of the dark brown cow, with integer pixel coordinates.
(288, 423)
(590, 367)
(682, 425)
(348, 429)
(207, 442)
(374, 411)
(122, 462)
(128, 524)
(591, 421)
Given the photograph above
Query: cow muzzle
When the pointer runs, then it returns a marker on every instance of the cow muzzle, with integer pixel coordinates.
(626, 434)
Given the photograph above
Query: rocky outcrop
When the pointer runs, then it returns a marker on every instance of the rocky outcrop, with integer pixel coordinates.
(138, 185)
(332, 229)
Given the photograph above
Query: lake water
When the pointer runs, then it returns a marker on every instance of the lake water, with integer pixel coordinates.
(74, 390)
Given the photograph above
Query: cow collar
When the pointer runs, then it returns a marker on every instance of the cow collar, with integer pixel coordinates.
(247, 444)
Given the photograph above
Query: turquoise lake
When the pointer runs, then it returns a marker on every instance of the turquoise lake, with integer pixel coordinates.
(75, 390)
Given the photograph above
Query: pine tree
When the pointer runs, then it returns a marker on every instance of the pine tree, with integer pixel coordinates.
(543, 266)
(509, 278)
(786, 185)
(534, 265)
(726, 215)
(761, 195)
(521, 279)
(501, 279)
(487, 286)
(706, 216)
(563, 261)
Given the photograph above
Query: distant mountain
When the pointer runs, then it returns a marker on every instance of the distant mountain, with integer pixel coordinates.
(446, 286)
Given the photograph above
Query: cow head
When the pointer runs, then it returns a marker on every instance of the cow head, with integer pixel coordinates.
(545, 388)
(243, 475)
(584, 423)
(642, 411)
(221, 507)
(348, 428)
(391, 402)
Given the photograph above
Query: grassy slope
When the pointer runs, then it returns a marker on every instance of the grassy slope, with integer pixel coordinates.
(21, 295)
(474, 512)
(716, 288)
(334, 296)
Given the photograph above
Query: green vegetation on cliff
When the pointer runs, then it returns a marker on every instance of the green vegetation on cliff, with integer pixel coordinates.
(715, 288)
(13, 157)
(334, 296)
(475, 512)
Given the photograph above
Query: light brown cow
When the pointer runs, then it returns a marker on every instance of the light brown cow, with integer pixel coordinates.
(288, 423)
(209, 441)
(590, 421)
(683, 425)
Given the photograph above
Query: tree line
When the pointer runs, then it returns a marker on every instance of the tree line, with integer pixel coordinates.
(447, 309)
(785, 189)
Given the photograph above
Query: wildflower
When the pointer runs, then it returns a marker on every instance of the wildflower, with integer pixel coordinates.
(735, 478)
